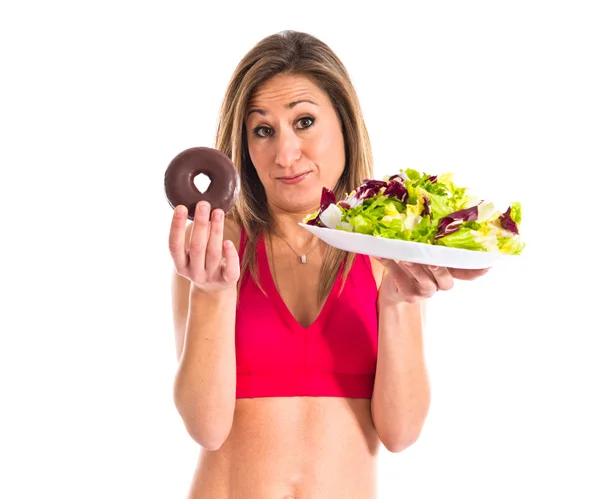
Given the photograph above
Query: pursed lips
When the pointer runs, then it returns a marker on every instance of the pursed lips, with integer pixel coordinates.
(294, 179)
(291, 177)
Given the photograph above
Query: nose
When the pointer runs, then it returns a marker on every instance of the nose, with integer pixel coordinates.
(288, 148)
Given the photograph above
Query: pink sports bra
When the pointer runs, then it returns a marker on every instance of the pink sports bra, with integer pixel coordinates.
(335, 356)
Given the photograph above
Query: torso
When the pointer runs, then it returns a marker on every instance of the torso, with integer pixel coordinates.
(293, 447)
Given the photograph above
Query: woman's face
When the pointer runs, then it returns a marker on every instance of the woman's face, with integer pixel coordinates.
(295, 142)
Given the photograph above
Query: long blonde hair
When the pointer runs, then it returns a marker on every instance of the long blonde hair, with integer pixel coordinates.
(300, 54)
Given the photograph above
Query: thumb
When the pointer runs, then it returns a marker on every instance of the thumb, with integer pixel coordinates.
(231, 264)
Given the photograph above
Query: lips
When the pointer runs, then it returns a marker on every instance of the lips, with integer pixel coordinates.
(293, 179)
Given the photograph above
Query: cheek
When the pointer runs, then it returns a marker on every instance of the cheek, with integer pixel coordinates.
(258, 156)
(331, 149)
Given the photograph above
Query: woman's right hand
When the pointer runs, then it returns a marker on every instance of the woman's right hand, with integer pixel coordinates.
(211, 264)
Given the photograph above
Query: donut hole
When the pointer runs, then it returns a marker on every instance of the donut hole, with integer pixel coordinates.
(202, 182)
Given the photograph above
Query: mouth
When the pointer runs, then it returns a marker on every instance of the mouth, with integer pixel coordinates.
(293, 179)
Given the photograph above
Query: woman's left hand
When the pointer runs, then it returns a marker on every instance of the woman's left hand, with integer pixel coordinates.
(412, 282)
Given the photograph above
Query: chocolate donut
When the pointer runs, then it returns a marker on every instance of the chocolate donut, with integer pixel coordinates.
(224, 180)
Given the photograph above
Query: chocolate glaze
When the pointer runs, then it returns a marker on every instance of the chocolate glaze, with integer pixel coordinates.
(224, 180)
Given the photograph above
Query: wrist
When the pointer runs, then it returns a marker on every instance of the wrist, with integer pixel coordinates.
(397, 303)
(213, 295)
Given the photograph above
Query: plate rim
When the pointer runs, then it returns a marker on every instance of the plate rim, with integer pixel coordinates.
(448, 250)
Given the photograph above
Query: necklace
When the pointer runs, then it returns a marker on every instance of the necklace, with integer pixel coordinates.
(302, 257)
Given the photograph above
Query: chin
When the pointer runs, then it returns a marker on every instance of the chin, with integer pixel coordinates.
(304, 204)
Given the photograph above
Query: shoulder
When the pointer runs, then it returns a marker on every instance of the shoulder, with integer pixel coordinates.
(231, 231)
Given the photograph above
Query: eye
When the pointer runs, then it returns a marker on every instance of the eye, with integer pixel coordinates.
(306, 122)
(262, 131)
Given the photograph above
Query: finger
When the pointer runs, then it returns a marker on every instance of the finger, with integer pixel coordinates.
(215, 242)
(177, 238)
(405, 281)
(199, 237)
(442, 277)
(468, 274)
(425, 282)
(231, 265)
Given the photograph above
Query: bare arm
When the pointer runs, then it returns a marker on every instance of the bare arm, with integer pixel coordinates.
(204, 323)
(401, 396)
(204, 389)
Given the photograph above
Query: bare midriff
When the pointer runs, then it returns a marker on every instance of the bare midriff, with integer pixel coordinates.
(293, 447)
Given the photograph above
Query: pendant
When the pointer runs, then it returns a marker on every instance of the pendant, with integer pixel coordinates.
(303, 258)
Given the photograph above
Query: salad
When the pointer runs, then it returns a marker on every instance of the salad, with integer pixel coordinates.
(423, 208)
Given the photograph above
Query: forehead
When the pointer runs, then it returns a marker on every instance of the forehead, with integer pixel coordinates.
(285, 89)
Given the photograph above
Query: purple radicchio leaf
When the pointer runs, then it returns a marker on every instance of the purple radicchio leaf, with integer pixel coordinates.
(316, 222)
(507, 222)
(402, 176)
(344, 205)
(433, 179)
(396, 189)
(369, 188)
(426, 207)
(327, 198)
(452, 222)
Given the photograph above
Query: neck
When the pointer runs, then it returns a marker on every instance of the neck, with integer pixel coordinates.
(285, 224)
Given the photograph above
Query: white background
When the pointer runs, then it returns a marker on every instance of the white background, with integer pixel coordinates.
(98, 97)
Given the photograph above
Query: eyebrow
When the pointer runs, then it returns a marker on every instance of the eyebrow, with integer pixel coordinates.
(288, 106)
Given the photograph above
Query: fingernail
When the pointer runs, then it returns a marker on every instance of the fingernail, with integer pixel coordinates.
(433, 267)
(217, 215)
(203, 207)
(408, 264)
(179, 211)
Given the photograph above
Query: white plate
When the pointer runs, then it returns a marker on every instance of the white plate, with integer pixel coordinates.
(407, 251)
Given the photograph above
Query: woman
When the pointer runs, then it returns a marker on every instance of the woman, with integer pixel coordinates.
(291, 374)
